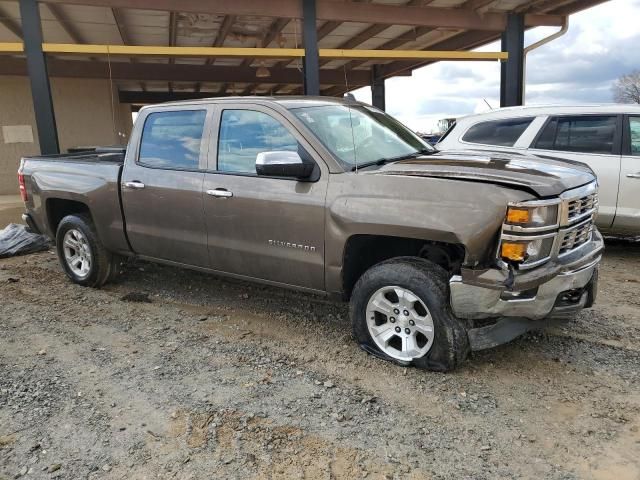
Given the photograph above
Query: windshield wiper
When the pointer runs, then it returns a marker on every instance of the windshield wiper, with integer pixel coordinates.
(383, 161)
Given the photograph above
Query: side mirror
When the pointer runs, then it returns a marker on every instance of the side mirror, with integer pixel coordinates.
(283, 164)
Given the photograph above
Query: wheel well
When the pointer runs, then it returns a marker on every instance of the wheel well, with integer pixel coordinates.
(58, 208)
(363, 251)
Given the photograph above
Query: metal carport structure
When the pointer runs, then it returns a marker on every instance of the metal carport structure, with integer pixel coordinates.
(179, 49)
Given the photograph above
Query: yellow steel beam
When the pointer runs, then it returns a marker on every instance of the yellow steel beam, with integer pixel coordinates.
(136, 50)
(411, 54)
(11, 47)
(335, 53)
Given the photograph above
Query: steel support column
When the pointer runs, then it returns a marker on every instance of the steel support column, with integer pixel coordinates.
(512, 71)
(311, 63)
(38, 77)
(377, 88)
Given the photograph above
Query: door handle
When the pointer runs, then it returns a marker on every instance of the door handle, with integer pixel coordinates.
(220, 192)
(136, 185)
(633, 175)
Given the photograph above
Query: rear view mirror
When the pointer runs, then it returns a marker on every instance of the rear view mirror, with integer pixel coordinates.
(283, 164)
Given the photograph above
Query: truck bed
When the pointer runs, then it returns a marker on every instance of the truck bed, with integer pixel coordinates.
(90, 178)
(86, 154)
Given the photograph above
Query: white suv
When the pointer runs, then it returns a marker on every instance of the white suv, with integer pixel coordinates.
(605, 137)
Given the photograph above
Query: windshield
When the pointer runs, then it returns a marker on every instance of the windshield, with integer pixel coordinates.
(360, 134)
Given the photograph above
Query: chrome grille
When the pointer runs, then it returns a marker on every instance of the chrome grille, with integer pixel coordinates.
(581, 207)
(574, 237)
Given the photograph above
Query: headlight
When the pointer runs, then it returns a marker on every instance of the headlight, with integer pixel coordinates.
(535, 216)
(528, 252)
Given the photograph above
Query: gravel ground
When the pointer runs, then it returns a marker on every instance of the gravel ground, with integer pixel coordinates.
(175, 374)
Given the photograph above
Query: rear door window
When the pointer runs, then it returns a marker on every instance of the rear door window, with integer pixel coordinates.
(503, 133)
(172, 140)
(584, 134)
(634, 135)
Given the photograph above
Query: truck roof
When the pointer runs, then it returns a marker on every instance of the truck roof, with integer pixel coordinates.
(288, 102)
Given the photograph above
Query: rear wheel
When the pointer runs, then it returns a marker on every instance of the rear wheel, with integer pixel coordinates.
(81, 254)
(400, 311)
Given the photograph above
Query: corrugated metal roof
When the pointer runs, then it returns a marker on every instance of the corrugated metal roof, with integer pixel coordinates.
(105, 25)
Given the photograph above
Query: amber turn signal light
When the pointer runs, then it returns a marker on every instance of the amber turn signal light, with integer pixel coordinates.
(518, 215)
(513, 251)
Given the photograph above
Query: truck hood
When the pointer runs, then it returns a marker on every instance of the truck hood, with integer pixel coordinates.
(543, 176)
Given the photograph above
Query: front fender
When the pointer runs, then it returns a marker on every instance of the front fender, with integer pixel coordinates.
(444, 210)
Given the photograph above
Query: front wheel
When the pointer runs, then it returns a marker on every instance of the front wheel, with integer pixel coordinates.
(81, 254)
(400, 311)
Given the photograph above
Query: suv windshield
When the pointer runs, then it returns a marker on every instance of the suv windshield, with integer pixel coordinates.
(359, 135)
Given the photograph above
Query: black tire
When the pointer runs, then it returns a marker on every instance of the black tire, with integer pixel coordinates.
(101, 261)
(427, 281)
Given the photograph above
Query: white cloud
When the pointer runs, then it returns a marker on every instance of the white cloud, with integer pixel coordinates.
(601, 44)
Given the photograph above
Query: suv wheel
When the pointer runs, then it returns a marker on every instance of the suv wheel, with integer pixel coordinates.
(81, 254)
(400, 311)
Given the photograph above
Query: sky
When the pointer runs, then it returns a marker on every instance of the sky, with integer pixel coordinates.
(602, 44)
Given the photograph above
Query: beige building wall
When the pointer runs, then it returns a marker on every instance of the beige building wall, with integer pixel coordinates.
(84, 117)
(16, 109)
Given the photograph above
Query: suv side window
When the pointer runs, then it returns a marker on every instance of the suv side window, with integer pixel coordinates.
(172, 140)
(585, 134)
(245, 133)
(634, 130)
(503, 133)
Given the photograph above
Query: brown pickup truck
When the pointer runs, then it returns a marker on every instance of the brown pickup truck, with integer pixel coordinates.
(439, 254)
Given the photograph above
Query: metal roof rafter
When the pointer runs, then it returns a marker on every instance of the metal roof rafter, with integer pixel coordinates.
(10, 24)
(65, 23)
(332, 10)
(175, 73)
(274, 30)
(223, 31)
(124, 35)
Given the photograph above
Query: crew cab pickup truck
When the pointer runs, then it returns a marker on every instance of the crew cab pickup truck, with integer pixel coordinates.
(438, 254)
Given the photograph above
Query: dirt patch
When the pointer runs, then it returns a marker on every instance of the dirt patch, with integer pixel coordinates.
(175, 374)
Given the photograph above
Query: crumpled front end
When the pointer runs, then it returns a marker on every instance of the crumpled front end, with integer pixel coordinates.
(557, 280)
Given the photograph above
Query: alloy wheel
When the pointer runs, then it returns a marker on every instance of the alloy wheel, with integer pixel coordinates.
(77, 253)
(399, 323)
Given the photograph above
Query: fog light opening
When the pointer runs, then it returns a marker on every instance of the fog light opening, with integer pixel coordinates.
(519, 295)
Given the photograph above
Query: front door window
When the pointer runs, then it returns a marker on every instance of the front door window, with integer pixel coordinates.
(246, 133)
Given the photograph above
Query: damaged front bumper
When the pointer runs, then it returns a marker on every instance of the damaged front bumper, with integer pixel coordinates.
(521, 301)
